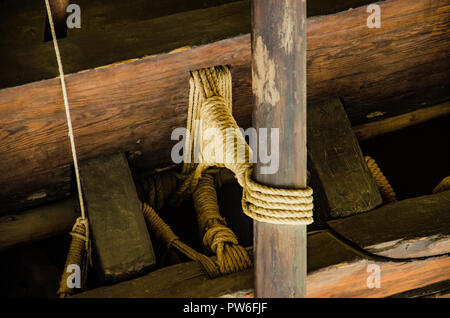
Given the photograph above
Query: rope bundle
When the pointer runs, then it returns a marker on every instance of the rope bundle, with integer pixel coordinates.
(210, 107)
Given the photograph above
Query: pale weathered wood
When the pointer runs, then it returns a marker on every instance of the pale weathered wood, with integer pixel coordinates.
(334, 270)
(279, 101)
(416, 227)
(120, 238)
(342, 182)
(133, 106)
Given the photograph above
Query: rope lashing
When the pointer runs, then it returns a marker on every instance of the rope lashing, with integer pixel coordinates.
(79, 253)
(210, 107)
(385, 188)
(219, 239)
(444, 185)
(164, 234)
(231, 257)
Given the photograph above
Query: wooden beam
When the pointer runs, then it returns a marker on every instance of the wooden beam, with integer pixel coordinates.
(120, 238)
(342, 183)
(384, 126)
(106, 14)
(334, 270)
(411, 228)
(133, 106)
(279, 98)
(437, 290)
(37, 224)
(416, 227)
(57, 218)
(23, 24)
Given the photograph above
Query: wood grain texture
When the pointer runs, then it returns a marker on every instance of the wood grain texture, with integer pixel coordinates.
(37, 224)
(100, 15)
(334, 270)
(23, 23)
(133, 106)
(342, 182)
(120, 238)
(436, 290)
(279, 99)
(416, 227)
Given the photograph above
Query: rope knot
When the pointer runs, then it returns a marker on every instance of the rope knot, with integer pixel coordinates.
(217, 235)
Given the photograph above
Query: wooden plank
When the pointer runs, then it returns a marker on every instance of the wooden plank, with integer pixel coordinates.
(37, 224)
(410, 228)
(104, 14)
(416, 227)
(334, 270)
(119, 234)
(279, 99)
(23, 23)
(133, 106)
(104, 47)
(433, 290)
(100, 15)
(342, 182)
(384, 126)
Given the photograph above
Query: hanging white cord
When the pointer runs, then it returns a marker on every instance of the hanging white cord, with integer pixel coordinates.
(66, 105)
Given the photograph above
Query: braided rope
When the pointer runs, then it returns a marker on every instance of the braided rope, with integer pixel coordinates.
(385, 188)
(165, 235)
(79, 253)
(218, 238)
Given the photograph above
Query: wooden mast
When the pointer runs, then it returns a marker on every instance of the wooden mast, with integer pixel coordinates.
(279, 97)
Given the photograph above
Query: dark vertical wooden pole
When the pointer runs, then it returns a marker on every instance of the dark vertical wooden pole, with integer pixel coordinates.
(279, 96)
(59, 14)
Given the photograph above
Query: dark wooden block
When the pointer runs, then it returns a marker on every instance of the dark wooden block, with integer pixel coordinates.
(121, 241)
(342, 182)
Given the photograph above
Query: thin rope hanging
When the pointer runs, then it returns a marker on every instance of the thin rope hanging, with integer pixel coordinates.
(79, 250)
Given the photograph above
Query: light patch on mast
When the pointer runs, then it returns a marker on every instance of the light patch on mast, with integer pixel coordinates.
(264, 87)
(286, 32)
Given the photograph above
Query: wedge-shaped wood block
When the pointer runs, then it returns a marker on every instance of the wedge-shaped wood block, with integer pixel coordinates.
(121, 241)
(342, 182)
